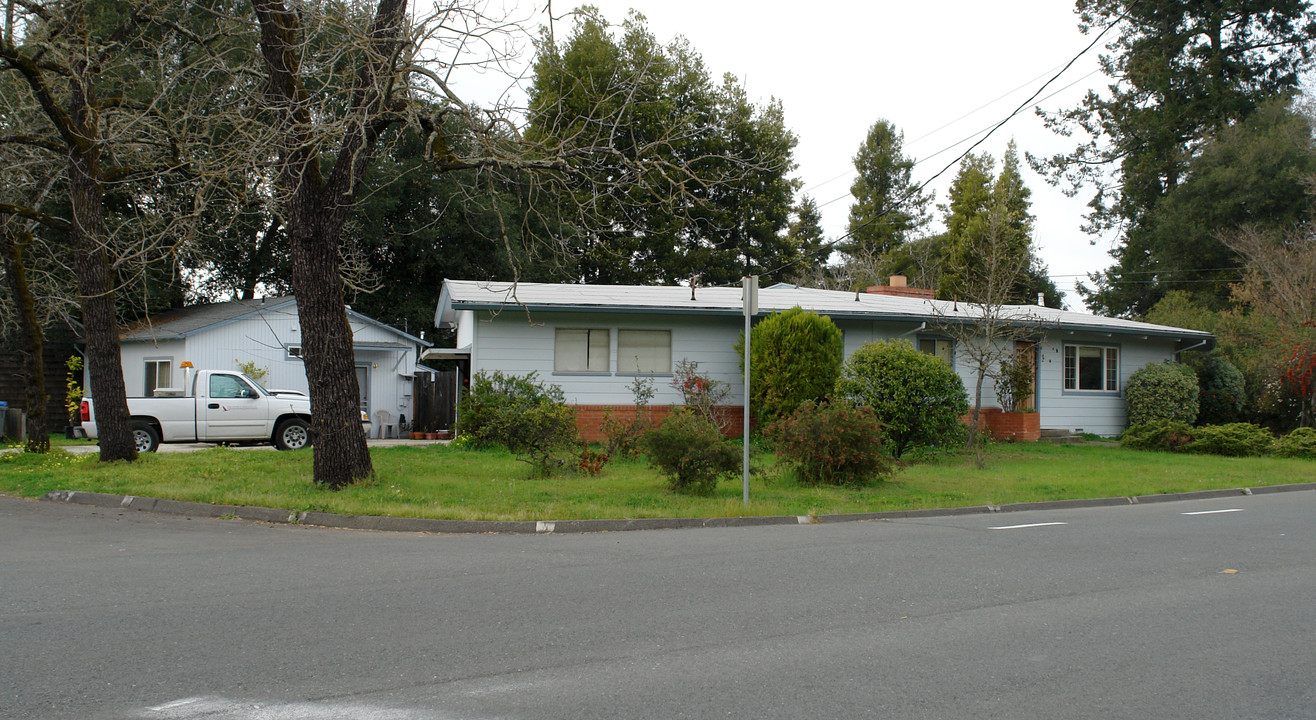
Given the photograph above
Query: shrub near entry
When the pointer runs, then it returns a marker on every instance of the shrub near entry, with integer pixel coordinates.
(519, 412)
(1162, 391)
(916, 397)
(1168, 435)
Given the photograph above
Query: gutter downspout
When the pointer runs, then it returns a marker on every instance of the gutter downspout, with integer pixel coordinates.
(924, 326)
(1191, 347)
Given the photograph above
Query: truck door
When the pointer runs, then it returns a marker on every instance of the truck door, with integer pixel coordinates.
(233, 410)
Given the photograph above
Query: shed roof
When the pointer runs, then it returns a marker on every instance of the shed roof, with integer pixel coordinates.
(188, 321)
(458, 295)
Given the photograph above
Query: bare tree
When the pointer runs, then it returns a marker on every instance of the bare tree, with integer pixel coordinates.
(379, 69)
(1279, 285)
(984, 327)
(103, 94)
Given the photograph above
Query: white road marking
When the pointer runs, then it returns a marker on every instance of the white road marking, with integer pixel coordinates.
(222, 708)
(1029, 525)
(1212, 512)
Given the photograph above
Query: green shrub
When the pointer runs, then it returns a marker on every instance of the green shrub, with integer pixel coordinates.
(519, 412)
(1015, 377)
(1221, 391)
(1301, 443)
(1162, 391)
(700, 393)
(832, 443)
(1237, 439)
(1168, 435)
(917, 398)
(690, 451)
(624, 434)
(794, 356)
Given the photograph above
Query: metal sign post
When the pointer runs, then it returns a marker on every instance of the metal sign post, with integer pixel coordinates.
(751, 308)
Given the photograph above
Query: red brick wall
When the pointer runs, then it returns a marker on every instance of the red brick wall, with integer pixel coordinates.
(1023, 427)
(589, 418)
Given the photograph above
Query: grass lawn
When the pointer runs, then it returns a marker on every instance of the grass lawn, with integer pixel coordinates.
(445, 482)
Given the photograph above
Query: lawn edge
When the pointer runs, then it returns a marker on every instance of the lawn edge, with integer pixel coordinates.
(545, 527)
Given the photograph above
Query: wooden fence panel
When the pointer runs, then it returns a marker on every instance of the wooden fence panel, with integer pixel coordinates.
(436, 400)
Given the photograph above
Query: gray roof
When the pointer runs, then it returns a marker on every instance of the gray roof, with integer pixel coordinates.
(188, 321)
(459, 295)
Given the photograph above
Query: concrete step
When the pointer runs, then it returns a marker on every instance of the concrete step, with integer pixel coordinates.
(1061, 437)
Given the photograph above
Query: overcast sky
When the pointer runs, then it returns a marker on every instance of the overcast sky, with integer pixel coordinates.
(942, 72)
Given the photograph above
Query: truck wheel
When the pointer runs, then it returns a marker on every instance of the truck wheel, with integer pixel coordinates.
(292, 434)
(145, 437)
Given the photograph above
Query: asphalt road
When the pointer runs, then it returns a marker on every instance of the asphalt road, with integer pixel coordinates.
(1143, 611)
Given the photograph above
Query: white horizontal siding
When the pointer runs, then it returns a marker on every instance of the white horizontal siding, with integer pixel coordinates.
(1100, 413)
(134, 356)
(512, 343)
(261, 339)
(516, 343)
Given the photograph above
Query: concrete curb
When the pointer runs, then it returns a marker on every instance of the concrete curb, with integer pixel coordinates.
(548, 527)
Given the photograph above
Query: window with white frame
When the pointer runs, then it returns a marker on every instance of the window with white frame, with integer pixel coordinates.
(294, 351)
(158, 375)
(940, 347)
(581, 350)
(644, 351)
(1092, 368)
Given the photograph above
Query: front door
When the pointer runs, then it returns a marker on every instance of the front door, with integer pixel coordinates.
(363, 386)
(1027, 351)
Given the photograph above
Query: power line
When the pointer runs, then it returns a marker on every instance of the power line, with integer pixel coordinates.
(832, 243)
(943, 126)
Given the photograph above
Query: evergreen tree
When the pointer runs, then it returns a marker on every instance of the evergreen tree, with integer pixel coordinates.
(1185, 72)
(1248, 175)
(981, 205)
(966, 218)
(888, 208)
(693, 179)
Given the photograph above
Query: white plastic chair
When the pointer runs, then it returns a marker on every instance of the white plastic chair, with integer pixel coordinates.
(387, 428)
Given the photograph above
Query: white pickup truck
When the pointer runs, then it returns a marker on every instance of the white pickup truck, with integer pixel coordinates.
(217, 407)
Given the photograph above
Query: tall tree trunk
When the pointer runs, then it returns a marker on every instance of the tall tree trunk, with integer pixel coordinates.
(104, 363)
(315, 211)
(339, 442)
(34, 374)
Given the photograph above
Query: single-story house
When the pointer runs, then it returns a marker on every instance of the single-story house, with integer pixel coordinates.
(593, 340)
(265, 334)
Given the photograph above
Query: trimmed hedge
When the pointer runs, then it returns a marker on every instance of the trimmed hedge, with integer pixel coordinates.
(1235, 439)
(1164, 435)
(795, 357)
(1162, 391)
(1301, 443)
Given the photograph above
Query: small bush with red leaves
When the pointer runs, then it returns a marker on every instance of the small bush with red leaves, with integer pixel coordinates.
(833, 443)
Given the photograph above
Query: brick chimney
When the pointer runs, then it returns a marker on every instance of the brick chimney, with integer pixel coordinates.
(900, 288)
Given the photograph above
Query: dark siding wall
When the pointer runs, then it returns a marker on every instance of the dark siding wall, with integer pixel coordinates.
(60, 344)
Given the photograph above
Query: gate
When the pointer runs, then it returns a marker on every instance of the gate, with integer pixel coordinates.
(436, 400)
